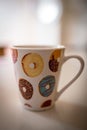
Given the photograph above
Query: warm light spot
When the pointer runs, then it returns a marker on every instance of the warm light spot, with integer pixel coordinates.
(48, 12)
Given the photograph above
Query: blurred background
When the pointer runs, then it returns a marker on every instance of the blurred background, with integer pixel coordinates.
(45, 22)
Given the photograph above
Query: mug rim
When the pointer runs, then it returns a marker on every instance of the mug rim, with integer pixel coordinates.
(37, 47)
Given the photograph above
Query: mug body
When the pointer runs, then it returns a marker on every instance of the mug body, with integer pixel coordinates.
(37, 72)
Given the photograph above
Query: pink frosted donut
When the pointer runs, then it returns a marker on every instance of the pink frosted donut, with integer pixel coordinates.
(14, 55)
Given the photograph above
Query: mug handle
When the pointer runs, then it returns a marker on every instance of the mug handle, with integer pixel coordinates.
(66, 58)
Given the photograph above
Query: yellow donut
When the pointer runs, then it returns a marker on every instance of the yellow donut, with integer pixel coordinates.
(32, 64)
(56, 54)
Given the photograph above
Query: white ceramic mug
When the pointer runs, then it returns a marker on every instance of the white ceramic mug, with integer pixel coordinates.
(37, 71)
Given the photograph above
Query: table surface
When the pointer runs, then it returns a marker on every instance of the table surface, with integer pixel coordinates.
(69, 112)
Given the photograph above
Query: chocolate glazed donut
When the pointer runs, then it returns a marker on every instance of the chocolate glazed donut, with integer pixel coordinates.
(26, 89)
(54, 60)
(53, 64)
(46, 103)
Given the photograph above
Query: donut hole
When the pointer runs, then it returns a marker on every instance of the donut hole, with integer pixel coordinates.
(47, 86)
(24, 89)
(32, 65)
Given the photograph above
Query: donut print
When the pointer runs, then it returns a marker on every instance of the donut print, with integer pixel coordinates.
(28, 105)
(46, 103)
(54, 60)
(46, 85)
(26, 89)
(14, 55)
(32, 64)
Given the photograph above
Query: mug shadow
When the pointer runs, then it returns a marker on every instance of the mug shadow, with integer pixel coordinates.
(70, 114)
